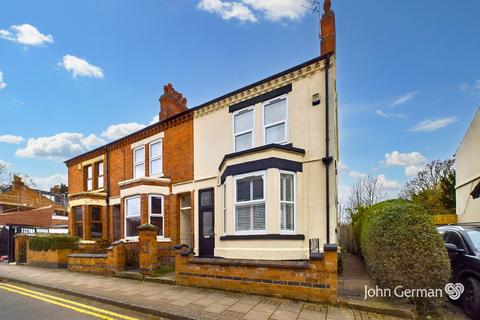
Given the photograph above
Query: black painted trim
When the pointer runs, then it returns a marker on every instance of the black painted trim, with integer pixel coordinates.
(330, 247)
(285, 147)
(263, 237)
(259, 165)
(476, 192)
(260, 98)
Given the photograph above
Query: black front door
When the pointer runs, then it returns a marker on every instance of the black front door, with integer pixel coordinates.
(206, 218)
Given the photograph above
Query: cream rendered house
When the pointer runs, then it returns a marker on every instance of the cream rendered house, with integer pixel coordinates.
(467, 159)
(265, 158)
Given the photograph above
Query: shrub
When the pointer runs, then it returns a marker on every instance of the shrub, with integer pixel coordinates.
(52, 242)
(401, 247)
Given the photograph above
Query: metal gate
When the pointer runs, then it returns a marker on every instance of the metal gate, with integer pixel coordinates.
(15, 229)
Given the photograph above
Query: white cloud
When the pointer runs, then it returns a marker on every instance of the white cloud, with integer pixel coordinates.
(405, 98)
(473, 88)
(155, 119)
(10, 138)
(46, 183)
(249, 10)
(276, 10)
(432, 125)
(26, 34)
(389, 115)
(388, 184)
(117, 131)
(3, 84)
(413, 162)
(342, 167)
(228, 10)
(60, 146)
(80, 67)
(356, 174)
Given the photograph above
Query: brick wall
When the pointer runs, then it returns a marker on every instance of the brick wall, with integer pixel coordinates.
(312, 280)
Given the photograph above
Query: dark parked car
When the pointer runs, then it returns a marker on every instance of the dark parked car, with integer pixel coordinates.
(462, 242)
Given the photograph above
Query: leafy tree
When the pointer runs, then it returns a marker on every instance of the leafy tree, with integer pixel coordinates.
(61, 188)
(433, 187)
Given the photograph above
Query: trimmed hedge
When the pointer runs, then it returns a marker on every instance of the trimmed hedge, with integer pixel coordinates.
(52, 242)
(401, 247)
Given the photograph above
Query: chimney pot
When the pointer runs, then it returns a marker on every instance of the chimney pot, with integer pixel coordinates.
(327, 27)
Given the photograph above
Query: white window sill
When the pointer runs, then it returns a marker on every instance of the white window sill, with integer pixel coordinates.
(159, 239)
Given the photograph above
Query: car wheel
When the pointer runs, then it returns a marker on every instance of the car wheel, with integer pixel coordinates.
(471, 298)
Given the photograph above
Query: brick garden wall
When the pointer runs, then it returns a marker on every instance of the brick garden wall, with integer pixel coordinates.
(312, 280)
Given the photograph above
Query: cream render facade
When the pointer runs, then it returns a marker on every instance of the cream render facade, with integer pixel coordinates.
(300, 156)
(467, 159)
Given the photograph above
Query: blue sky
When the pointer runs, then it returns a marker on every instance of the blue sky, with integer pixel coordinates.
(76, 74)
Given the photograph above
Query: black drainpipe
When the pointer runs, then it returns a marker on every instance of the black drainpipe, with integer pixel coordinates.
(328, 158)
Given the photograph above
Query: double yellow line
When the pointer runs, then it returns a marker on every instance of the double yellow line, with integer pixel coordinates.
(65, 303)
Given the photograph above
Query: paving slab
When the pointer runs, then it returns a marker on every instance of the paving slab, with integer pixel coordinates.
(176, 302)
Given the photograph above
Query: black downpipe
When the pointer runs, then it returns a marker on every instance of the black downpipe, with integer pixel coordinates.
(327, 159)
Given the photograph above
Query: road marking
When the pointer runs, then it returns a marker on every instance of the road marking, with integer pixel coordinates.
(57, 303)
(51, 299)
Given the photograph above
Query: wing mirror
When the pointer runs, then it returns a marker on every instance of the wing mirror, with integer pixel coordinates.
(452, 248)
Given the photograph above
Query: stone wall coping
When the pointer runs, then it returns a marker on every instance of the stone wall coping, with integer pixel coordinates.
(87, 255)
(292, 264)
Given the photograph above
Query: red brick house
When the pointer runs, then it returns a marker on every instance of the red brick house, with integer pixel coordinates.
(136, 180)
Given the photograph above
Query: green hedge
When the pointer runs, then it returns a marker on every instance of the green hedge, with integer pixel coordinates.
(52, 242)
(401, 247)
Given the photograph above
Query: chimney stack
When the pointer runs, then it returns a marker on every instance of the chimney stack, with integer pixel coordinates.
(171, 102)
(327, 27)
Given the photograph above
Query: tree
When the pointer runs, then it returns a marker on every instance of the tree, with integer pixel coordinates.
(366, 191)
(4, 176)
(60, 188)
(433, 187)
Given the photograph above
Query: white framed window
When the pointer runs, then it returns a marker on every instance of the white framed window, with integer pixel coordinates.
(275, 120)
(155, 154)
(89, 177)
(224, 206)
(249, 203)
(132, 216)
(287, 201)
(139, 162)
(100, 175)
(155, 212)
(243, 124)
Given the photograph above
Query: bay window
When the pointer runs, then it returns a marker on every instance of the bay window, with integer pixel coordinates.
(132, 216)
(275, 120)
(243, 129)
(287, 201)
(250, 203)
(139, 162)
(156, 158)
(155, 212)
(96, 222)
(78, 213)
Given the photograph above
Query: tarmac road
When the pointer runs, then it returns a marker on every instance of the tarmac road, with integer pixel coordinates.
(20, 302)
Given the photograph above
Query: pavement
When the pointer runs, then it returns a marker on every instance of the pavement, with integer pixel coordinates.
(178, 302)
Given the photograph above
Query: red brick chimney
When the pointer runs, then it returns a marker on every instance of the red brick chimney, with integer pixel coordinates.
(327, 26)
(171, 102)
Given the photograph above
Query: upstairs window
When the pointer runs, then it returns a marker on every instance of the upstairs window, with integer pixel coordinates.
(275, 120)
(156, 158)
(100, 175)
(243, 129)
(132, 216)
(287, 202)
(156, 213)
(139, 162)
(89, 177)
(250, 203)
